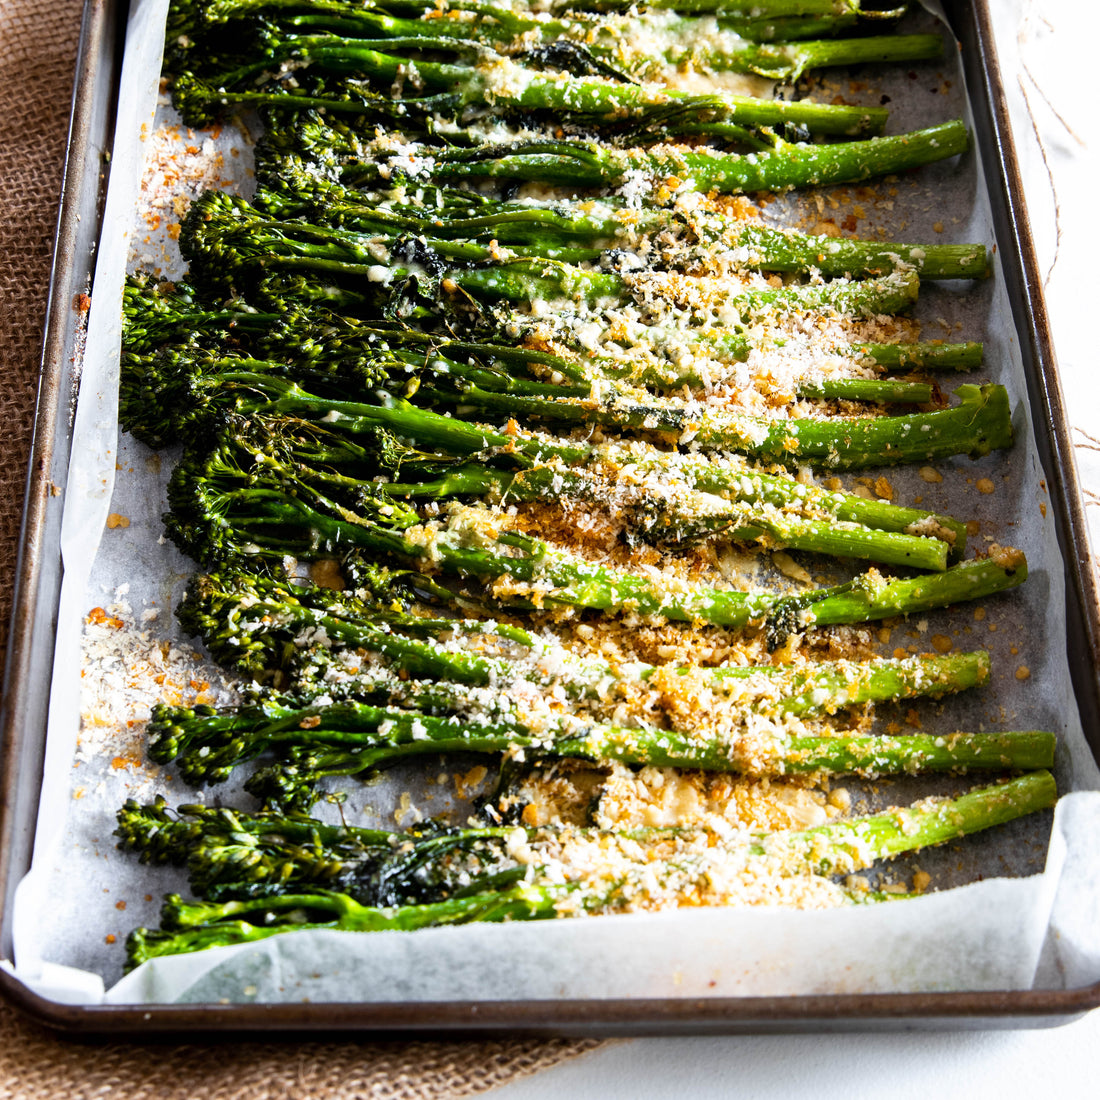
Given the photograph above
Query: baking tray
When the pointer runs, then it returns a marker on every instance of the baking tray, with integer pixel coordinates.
(30, 656)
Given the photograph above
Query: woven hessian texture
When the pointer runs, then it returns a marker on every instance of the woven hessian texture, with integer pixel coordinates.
(38, 40)
(38, 43)
(36, 1066)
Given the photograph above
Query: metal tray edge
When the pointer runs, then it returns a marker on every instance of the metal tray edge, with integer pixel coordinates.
(987, 1010)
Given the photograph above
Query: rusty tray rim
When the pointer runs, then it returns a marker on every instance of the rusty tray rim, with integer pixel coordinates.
(972, 22)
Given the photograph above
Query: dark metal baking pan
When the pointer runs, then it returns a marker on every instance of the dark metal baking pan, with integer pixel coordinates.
(23, 717)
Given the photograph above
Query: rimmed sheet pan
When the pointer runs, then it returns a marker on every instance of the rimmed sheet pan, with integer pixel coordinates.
(31, 655)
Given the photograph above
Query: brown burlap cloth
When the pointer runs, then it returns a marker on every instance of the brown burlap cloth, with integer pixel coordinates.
(38, 42)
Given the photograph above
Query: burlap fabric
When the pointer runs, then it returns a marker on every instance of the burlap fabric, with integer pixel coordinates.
(38, 43)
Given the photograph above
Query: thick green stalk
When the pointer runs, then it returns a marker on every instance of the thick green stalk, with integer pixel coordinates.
(846, 846)
(238, 504)
(524, 281)
(200, 926)
(698, 169)
(789, 60)
(589, 164)
(576, 232)
(540, 577)
(150, 401)
(928, 356)
(608, 37)
(883, 391)
(780, 250)
(980, 423)
(500, 83)
(768, 20)
(821, 688)
(687, 515)
(879, 599)
(746, 483)
(206, 747)
(223, 237)
(304, 758)
(730, 345)
(252, 623)
(868, 756)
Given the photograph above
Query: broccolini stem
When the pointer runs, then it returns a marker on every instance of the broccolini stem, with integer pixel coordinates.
(790, 165)
(356, 736)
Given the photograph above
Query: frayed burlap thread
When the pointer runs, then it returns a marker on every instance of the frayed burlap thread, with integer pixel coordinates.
(38, 45)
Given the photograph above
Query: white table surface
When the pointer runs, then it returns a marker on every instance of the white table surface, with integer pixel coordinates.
(1046, 57)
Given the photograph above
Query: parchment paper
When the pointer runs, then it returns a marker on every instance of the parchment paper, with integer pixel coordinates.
(82, 896)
